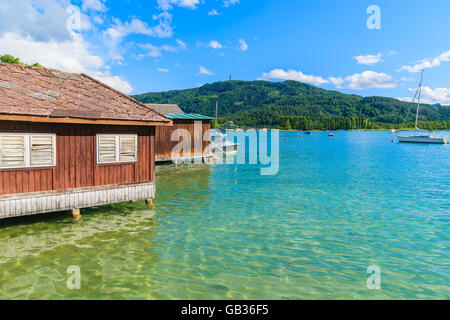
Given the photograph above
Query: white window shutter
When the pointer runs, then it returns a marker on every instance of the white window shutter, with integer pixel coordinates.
(107, 149)
(12, 151)
(128, 148)
(42, 150)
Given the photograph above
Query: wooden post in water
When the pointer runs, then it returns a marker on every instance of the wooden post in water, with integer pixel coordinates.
(149, 203)
(76, 215)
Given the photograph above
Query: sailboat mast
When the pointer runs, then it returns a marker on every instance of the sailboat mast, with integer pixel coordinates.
(217, 108)
(418, 103)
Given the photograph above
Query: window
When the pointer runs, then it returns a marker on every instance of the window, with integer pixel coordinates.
(20, 150)
(112, 148)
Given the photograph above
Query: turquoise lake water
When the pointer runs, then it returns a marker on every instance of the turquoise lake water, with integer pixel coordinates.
(337, 206)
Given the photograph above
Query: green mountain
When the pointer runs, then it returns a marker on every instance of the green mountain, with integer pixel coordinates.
(266, 104)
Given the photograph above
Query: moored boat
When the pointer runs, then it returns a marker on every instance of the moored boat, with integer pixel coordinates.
(220, 144)
(421, 138)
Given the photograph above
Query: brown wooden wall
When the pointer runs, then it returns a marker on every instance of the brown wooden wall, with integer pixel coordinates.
(76, 163)
(164, 145)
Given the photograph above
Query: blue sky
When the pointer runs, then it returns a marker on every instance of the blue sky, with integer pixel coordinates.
(156, 45)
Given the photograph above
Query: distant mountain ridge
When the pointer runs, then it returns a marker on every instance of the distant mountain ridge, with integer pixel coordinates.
(262, 103)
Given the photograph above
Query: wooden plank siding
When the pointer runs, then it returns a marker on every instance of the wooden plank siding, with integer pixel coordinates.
(164, 145)
(76, 164)
(51, 201)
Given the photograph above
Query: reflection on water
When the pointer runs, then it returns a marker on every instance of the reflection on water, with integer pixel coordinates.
(336, 207)
(36, 252)
(27, 242)
(185, 188)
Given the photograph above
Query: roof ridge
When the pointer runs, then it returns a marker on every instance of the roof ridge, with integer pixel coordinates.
(165, 108)
(124, 95)
(34, 68)
(161, 104)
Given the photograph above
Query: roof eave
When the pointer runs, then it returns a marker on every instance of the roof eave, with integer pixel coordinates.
(69, 120)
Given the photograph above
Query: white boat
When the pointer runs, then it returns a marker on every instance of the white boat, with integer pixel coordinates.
(418, 137)
(423, 139)
(220, 144)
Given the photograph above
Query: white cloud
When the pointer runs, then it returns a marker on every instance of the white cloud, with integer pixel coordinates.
(71, 55)
(215, 44)
(428, 63)
(437, 96)
(157, 51)
(181, 44)
(168, 4)
(227, 3)
(368, 59)
(95, 5)
(97, 19)
(243, 44)
(357, 81)
(214, 12)
(433, 96)
(39, 19)
(163, 70)
(405, 79)
(392, 53)
(113, 37)
(116, 82)
(294, 75)
(337, 81)
(370, 79)
(205, 71)
(136, 26)
(38, 31)
(153, 51)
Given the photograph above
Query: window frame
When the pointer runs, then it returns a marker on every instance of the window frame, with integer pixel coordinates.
(27, 153)
(117, 136)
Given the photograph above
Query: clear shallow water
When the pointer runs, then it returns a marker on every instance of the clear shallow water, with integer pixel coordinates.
(337, 206)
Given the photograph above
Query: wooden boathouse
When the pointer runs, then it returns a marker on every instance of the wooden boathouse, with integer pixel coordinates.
(196, 126)
(68, 141)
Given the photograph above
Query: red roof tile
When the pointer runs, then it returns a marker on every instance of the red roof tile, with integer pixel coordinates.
(29, 91)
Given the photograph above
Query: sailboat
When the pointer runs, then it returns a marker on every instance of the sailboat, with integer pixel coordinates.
(417, 137)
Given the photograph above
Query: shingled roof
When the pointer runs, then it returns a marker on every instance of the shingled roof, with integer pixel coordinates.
(47, 95)
(166, 108)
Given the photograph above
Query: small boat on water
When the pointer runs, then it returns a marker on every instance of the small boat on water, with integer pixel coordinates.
(421, 138)
(395, 131)
(308, 132)
(220, 144)
(331, 134)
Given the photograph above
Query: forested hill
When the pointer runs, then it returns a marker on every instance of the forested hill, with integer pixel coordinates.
(263, 103)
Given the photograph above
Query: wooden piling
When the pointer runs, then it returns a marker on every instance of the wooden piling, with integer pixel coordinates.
(76, 213)
(149, 203)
